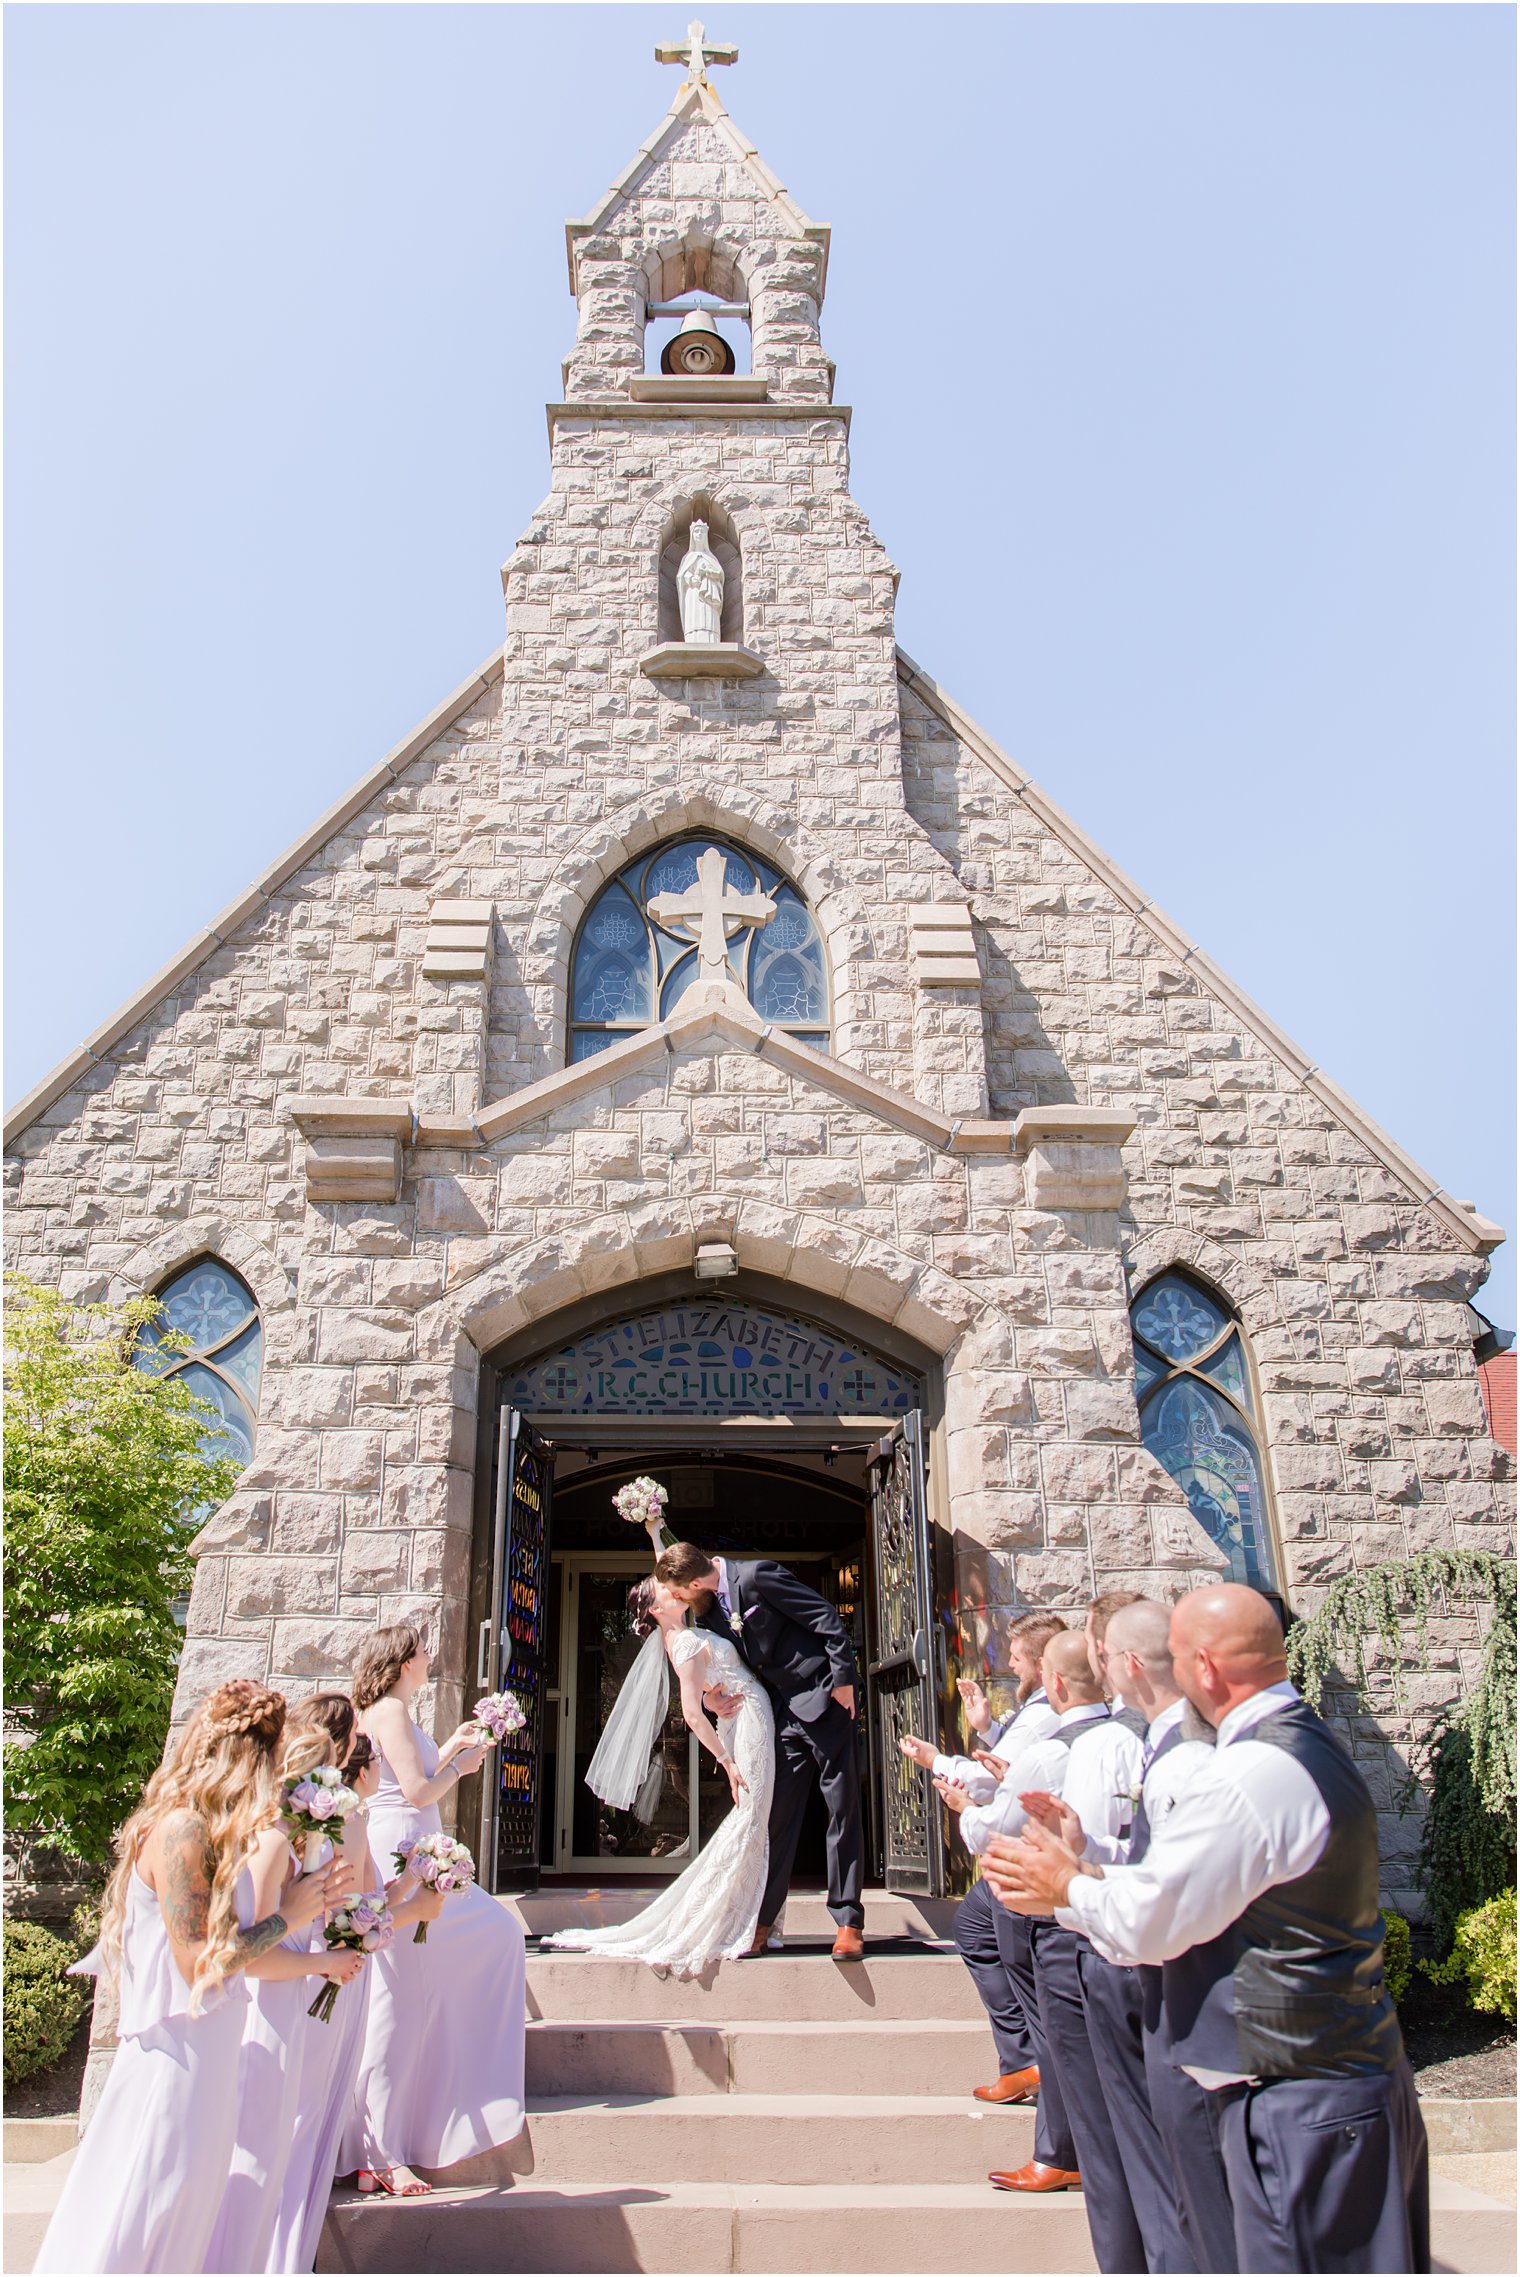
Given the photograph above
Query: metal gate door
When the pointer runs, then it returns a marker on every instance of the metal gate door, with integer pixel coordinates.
(902, 1662)
(512, 1649)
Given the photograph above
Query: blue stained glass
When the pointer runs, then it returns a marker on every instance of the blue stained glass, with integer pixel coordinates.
(206, 1304)
(234, 1437)
(1147, 1371)
(627, 970)
(149, 1355)
(244, 1361)
(1178, 1319)
(589, 1042)
(1228, 1367)
(1209, 1452)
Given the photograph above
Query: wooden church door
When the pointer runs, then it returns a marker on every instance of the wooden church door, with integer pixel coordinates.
(901, 1664)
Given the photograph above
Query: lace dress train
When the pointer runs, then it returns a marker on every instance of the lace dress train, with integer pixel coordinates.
(710, 1912)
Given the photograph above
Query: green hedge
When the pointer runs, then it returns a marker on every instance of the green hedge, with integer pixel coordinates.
(1396, 1961)
(42, 2005)
(1483, 1951)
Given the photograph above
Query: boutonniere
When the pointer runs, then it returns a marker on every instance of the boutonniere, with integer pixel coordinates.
(736, 1623)
(1132, 1795)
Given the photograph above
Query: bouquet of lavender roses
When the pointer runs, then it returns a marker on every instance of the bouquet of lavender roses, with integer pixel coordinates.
(438, 1861)
(640, 1500)
(312, 1810)
(363, 1925)
(500, 1713)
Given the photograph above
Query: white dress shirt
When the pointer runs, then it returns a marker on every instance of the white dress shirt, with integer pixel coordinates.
(1033, 1720)
(1103, 1787)
(1042, 1765)
(1248, 1817)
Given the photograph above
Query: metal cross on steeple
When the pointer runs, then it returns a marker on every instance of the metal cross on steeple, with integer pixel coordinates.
(709, 914)
(696, 52)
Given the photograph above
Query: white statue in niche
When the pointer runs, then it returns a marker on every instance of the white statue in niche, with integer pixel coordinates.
(699, 589)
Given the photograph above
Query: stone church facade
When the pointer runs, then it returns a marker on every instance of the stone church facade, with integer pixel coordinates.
(1027, 1099)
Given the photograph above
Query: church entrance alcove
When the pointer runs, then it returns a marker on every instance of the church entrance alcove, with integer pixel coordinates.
(775, 1435)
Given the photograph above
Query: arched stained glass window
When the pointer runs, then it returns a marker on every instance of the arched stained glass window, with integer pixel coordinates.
(630, 967)
(209, 1305)
(1198, 1418)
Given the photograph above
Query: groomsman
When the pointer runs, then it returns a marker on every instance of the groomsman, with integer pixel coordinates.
(1258, 1898)
(1165, 2127)
(977, 1915)
(1081, 1711)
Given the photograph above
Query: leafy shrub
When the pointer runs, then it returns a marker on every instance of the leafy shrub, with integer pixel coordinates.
(84, 1923)
(1396, 1961)
(108, 1473)
(42, 2005)
(1483, 1951)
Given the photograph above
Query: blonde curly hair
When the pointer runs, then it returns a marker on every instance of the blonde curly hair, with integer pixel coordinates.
(223, 1771)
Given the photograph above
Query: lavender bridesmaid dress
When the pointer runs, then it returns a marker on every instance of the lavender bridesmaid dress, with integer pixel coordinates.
(441, 2076)
(329, 2067)
(146, 2185)
(275, 2030)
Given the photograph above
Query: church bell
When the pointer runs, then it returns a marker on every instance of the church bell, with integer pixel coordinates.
(698, 350)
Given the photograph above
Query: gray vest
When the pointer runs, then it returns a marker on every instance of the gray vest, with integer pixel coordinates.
(1294, 1988)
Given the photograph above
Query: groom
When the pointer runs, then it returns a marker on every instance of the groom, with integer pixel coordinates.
(797, 1645)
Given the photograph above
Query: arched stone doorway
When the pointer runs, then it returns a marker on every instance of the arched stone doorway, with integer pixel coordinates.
(780, 1429)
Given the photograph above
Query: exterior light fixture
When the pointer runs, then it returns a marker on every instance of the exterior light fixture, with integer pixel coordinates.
(716, 1261)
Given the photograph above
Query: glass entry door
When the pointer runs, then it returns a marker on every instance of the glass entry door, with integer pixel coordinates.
(686, 1795)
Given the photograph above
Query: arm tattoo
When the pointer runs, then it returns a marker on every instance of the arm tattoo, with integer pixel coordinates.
(185, 1898)
(264, 1934)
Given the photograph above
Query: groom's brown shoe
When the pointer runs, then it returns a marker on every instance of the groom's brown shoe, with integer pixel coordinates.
(763, 1935)
(849, 1945)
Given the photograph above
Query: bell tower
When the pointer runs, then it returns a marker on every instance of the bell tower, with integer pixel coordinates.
(700, 625)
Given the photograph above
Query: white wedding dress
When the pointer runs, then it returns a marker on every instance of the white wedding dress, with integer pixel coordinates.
(711, 1911)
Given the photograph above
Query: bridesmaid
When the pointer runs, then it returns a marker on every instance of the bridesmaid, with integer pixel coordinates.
(276, 2028)
(330, 2052)
(146, 2185)
(441, 2077)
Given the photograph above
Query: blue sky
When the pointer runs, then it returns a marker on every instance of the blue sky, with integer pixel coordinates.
(1180, 341)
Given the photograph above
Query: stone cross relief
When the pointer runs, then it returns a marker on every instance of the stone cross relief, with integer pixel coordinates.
(696, 51)
(711, 915)
(699, 590)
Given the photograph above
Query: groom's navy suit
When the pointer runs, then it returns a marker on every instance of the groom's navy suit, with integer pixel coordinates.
(799, 1648)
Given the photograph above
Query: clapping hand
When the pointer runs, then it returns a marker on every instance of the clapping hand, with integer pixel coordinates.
(974, 1701)
(996, 1764)
(917, 1750)
(1057, 1818)
(1031, 1874)
(954, 1798)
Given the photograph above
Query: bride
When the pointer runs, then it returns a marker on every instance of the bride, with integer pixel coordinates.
(710, 1913)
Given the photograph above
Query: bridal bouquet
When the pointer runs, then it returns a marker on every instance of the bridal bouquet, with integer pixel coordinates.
(438, 1861)
(363, 1925)
(312, 1810)
(640, 1500)
(501, 1714)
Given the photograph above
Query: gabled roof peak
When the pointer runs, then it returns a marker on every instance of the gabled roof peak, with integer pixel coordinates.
(696, 101)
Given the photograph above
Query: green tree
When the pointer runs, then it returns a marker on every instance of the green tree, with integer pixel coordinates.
(108, 1473)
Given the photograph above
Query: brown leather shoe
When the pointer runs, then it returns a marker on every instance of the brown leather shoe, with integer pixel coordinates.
(763, 1934)
(1036, 2177)
(849, 1945)
(1013, 2087)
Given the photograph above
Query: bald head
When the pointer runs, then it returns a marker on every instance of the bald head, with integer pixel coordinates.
(1068, 1672)
(1227, 1644)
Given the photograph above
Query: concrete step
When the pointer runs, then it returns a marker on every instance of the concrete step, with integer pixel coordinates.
(923, 2225)
(888, 1914)
(935, 2056)
(30, 2141)
(583, 1987)
(843, 2140)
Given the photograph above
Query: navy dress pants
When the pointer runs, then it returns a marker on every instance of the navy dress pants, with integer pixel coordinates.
(1328, 2174)
(1111, 2216)
(976, 1940)
(1053, 2145)
(1187, 2120)
(1113, 2001)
